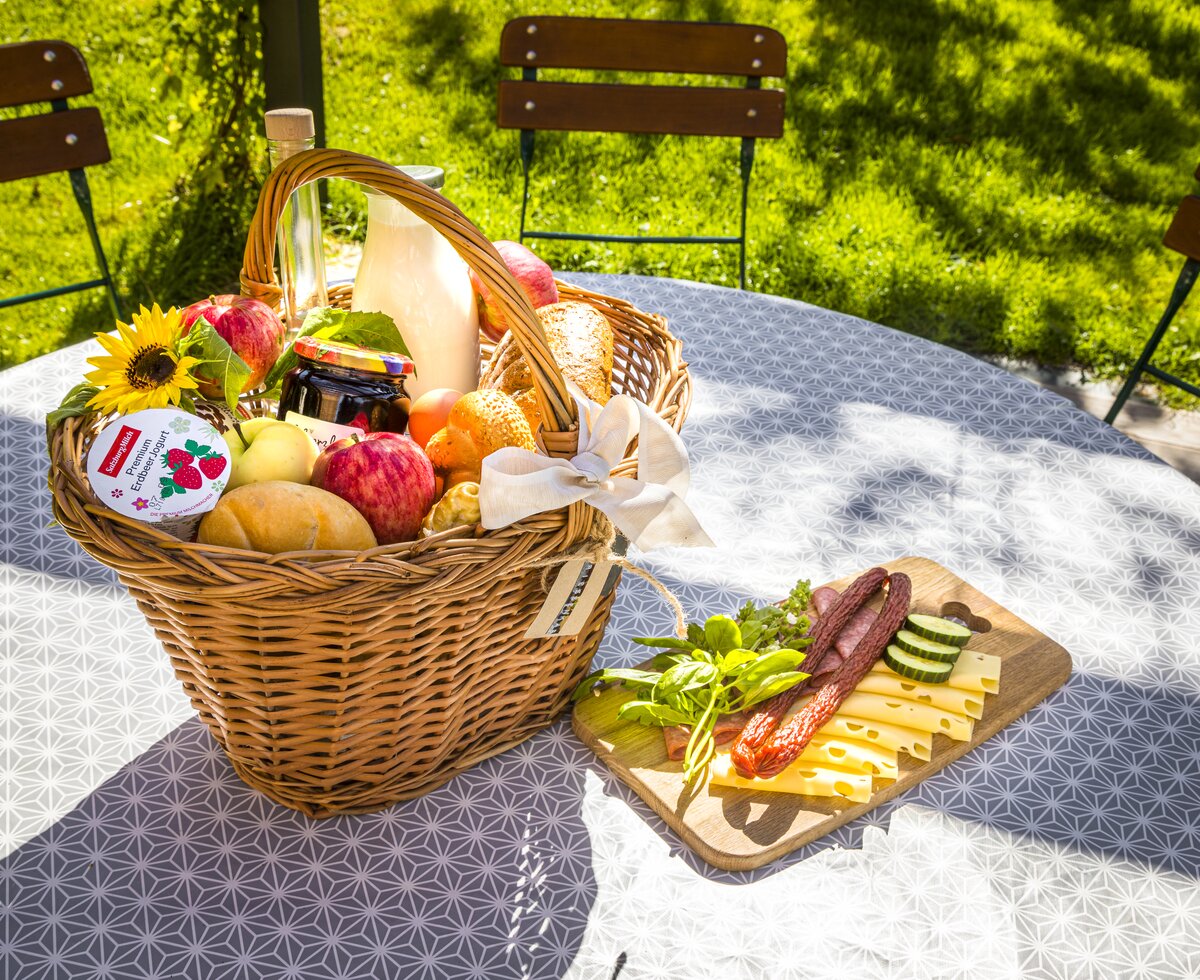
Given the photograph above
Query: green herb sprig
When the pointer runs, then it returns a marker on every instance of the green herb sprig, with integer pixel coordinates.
(725, 666)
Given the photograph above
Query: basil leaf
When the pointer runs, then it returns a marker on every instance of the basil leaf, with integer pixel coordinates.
(377, 330)
(721, 634)
(695, 634)
(630, 676)
(765, 666)
(775, 684)
(665, 661)
(667, 642)
(735, 659)
(651, 713)
(220, 362)
(685, 677)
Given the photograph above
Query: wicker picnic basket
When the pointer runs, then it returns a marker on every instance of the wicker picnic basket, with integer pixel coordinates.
(343, 682)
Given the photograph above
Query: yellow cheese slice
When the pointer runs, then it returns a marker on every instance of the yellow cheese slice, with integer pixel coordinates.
(910, 714)
(800, 777)
(847, 753)
(979, 672)
(969, 703)
(884, 735)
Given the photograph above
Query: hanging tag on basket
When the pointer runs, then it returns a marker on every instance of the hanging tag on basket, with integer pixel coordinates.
(577, 587)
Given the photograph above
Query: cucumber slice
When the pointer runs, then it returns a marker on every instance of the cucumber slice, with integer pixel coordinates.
(916, 668)
(939, 630)
(918, 646)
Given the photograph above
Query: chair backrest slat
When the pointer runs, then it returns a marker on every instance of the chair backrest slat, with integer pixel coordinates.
(1184, 233)
(54, 141)
(654, 46)
(679, 110)
(40, 71)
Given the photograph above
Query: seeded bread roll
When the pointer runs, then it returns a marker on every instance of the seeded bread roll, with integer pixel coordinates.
(276, 516)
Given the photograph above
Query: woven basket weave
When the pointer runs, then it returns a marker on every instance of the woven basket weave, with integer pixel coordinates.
(341, 682)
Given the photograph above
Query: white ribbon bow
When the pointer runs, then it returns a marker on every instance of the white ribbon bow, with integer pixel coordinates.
(650, 511)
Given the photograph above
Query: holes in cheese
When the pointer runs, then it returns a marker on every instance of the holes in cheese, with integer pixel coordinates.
(910, 714)
(803, 778)
(969, 703)
(850, 754)
(978, 672)
(892, 738)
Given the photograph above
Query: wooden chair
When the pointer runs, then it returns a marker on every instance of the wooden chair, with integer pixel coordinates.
(1183, 236)
(62, 139)
(602, 44)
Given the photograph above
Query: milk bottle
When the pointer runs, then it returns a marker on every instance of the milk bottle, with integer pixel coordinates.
(410, 272)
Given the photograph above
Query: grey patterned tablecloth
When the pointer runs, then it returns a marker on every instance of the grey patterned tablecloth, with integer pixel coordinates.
(1067, 846)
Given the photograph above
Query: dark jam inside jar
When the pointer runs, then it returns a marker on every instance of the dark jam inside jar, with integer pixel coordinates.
(337, 388)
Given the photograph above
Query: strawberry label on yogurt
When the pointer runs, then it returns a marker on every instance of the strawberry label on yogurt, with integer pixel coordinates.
(161, 465)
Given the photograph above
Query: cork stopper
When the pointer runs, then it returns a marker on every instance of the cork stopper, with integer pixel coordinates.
(288, 125)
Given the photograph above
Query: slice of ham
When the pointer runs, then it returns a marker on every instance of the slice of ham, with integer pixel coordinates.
(728, 727)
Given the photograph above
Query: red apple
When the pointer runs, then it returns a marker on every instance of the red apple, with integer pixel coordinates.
(534, 276)
(385, 477)
(247, 325)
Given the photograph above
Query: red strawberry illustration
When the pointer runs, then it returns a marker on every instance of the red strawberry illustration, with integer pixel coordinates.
(212, 465)
(188, 477)
(178, 457)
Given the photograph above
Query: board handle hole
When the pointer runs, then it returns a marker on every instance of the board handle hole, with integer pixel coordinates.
(961, 612)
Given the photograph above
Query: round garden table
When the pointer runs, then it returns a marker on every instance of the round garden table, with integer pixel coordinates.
(1066, 846)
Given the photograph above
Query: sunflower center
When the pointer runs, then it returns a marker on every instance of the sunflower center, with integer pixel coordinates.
(150, 367)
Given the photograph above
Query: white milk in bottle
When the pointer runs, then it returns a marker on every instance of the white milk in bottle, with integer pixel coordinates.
(410, 272)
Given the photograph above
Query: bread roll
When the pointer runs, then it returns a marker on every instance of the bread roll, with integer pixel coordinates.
(276, 516)
(581, 341)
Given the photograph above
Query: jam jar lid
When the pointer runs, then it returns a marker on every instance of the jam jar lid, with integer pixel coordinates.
(341, 354)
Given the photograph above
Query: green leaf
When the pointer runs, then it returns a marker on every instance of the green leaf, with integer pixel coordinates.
(689, 676)
(776, 684)
(666, 642)
(721, 634)
(652, 713)
(766, 666)
(695, 634)
(220, 362)
(633, 678)
(734, 659)
(665, 661)
(73, 405)
(376, 330)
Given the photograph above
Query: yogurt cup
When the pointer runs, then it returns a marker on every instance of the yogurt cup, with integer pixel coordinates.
(163, 466)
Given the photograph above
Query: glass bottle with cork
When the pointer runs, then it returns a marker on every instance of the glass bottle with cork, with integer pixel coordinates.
(298, 237)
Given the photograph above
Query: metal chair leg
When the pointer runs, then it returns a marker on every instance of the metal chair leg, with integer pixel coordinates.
(747, 164)
(1183, 286)
(83, 195)
(526, 162)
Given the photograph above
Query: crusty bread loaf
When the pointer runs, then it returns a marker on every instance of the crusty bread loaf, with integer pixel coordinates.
(276, 516)
(581, 341)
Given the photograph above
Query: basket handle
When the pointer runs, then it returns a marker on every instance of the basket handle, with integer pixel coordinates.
(258, 265)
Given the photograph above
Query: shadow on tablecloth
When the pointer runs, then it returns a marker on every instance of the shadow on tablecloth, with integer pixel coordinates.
(175, 868)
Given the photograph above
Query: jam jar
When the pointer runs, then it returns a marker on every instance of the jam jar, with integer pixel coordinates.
(339, 389)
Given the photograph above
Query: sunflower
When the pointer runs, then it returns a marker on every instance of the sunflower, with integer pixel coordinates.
(143, 368)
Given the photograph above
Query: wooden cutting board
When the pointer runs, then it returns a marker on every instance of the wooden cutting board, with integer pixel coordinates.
(738, 829)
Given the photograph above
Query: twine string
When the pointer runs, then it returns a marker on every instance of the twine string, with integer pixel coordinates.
(597, 548)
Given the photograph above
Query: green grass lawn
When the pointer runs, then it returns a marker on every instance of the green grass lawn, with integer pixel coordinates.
(993, 174)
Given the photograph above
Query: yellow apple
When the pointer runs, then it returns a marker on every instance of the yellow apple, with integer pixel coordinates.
(274, 450)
